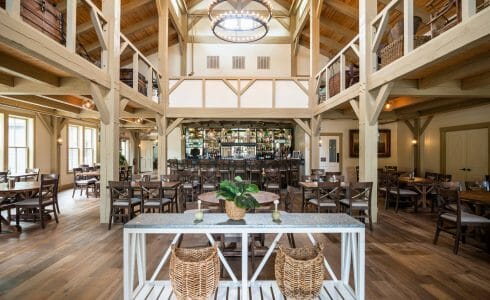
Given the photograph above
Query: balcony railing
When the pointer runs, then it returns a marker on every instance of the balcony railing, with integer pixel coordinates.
(336, 76)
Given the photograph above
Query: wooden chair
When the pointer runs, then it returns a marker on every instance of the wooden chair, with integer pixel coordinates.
(254, 172)
(209, 180)
(431, 175)
(33, 177)
(444, 177)
(487, 178)
(122, 202)
(172, 194)
(294, 172)
(272, 181)
(33, 206)
(318, 172)
(81, 183)
(391, 168)
(359, 199)
(453, 220)
(389, 184)
(404, 195)
(326, 196)
(239, 168)
(6, 204)
(55, 177)
(190, 183)
(152, 197)
(224, 169)
(4, 177)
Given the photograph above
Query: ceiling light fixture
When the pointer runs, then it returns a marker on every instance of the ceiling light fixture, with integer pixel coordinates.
(240, 26)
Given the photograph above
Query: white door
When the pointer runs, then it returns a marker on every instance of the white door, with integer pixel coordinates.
(467, 154)
(330, 153)
(146, 158)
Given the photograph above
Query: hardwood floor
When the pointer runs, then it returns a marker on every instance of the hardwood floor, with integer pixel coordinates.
(80, 259)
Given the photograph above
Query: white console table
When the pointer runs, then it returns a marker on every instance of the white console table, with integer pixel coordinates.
(337, 287)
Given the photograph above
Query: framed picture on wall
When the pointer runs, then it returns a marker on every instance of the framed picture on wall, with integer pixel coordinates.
(384, 143)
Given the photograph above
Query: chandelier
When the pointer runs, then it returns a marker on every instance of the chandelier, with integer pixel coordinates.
(240, 26)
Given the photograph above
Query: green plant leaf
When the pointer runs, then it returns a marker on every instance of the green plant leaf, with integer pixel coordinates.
(252, 188)
(238, 179)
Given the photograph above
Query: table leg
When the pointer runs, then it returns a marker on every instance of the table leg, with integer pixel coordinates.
(361, 276)
(244, 265)
(126, 266)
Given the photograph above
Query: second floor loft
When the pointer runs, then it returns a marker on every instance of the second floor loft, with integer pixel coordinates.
(426, 48)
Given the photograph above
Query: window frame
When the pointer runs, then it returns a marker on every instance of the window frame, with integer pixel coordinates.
(29, 141)
(81, 128)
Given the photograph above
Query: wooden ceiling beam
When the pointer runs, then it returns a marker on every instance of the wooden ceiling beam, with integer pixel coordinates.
(11, 65)
(438, 106)
(41, 101)
(68, 86)
(344, 8)
(331, 25)
(125, 10)
(470, 68)
(284, 4)
(476, 81)
(6, 80)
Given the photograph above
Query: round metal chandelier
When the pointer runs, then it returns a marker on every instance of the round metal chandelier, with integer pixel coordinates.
(240, 26)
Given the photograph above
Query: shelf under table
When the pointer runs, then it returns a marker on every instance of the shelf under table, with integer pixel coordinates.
(227, 290)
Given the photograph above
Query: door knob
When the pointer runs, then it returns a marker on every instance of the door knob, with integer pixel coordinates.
(468, 170)
(463, 169)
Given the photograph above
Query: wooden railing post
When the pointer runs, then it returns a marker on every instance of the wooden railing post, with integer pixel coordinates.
(13, 8)
(408, 26)
(468, 9)
(71, 25)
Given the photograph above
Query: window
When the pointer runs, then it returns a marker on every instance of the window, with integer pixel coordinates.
(89, 146)
(213, 62)
(19, 142)
(74, 138)
(238, 62)
(82, 146)
(124, 149)
(263, 62)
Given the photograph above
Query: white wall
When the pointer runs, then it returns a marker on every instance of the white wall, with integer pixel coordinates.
(280, 54)
(430, 140)
(303, 61)
(174, 144)
(349, 163)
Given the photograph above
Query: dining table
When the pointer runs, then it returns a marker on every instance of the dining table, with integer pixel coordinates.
(422, 185)
(10, 194)
(19, 175)
(480, 199)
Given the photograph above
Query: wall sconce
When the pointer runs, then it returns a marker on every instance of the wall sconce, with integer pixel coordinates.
(388, 105)
(414, 141)
(320, 143)
(59, 141)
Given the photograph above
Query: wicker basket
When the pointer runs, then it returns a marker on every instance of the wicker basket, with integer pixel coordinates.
(299, 271)
(394, 50)
(194, 273)
(234, 212)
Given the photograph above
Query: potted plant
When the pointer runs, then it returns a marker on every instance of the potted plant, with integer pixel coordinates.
(238, 196)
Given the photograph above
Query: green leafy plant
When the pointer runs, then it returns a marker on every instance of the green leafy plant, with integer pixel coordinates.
(240, 192)
(122, 160)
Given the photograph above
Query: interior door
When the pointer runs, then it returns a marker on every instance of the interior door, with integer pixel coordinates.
(146, 158)
(330, 153)
(476, 154)
(456, 154)
(467, 154)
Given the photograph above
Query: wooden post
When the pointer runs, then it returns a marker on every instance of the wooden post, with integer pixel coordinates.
(468, 9)
(13, 8)
(183, 41)
(71, 25)
(368, 131)
(408, 26)
(162, 144)
(55, 146)
(314, 68)
(109, 146)
(162, 7)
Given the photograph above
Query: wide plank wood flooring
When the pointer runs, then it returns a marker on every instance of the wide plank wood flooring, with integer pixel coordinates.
(80, 259)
